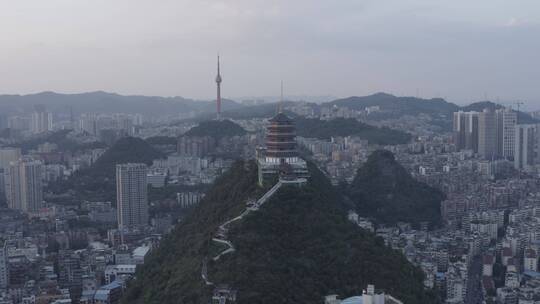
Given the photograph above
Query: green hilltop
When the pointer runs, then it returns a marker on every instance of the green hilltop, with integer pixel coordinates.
(384, 190)
(297, 248)
(97, 182)
(325, 129)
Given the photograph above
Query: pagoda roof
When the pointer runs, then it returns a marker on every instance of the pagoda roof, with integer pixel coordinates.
(281, 118)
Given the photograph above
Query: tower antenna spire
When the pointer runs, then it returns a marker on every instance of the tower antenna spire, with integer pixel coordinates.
(218, 83)
(280, 107)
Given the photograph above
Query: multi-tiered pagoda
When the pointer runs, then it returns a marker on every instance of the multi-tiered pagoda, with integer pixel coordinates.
(280, 157)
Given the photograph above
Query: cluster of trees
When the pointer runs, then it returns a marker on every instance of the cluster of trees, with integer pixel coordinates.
(384, 190)
(97, 182)
(161, 140)
(325, 129)
(172, 274)
(296, 249)
(397, 106)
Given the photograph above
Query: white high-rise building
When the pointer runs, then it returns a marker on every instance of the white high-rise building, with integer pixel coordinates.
(41, 120)
(487, 134)
(23, 181)
(506, 132)
(8, 155)
(88, 124)
(131, 195)
(4, 266)
(526, 146)
(466, 130)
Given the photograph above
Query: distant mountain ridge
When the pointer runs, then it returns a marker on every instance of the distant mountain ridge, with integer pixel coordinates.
(404, 105)
(326, 129)
(103, 102)
(393, 107)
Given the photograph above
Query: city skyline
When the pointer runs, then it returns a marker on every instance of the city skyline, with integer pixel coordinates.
(250, 151)
(460, 52)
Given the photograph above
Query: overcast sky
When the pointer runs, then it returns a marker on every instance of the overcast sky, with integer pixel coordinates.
(458, 49)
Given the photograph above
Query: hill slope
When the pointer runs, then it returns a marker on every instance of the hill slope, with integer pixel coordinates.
(480, 106)
(296, 249)
(398, 105)
(325, 129)
(384, 190)
(440, 109)
(97, 182)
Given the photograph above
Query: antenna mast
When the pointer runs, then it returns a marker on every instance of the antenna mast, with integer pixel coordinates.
(218, 97)
(280, 106)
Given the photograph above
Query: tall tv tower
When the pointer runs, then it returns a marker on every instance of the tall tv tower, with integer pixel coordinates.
(218, 99)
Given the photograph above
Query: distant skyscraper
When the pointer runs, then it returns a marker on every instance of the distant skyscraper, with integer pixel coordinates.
(506, 131)
(41, 120)
(24, 189)
(487, 134)
(88, 124)
(131, 195)
(8, 155)
(3, 121)
(218, 97)
(526, 146)
(459, 129)
(4, 266)
(471, 132)
(19, 122)
(466, 130)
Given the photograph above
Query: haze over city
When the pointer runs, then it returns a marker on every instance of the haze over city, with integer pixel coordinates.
(268, 152)
(460, 50)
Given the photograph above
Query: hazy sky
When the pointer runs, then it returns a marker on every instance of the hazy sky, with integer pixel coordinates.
(458, 49)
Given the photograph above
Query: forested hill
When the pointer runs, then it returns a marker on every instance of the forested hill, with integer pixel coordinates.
(297, 248)
(397, 105)
(325, 129)
(96, 183)
(384, 190)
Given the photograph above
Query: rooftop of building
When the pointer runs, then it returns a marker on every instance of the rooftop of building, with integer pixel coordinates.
(281, 118)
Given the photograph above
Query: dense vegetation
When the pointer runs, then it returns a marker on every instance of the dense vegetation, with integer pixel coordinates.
(216, 128)
(480, 106)
(296, 249)
(398, 105)
(97, 183)
(384, 190)
(161, 140)
(325, 129)
(172, 273)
